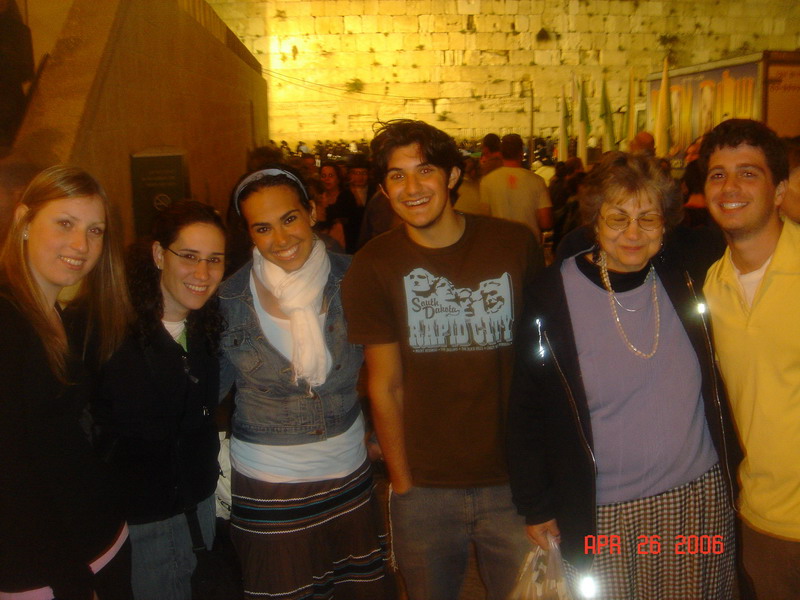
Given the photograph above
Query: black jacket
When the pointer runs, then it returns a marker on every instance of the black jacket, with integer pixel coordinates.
(155, 425)
(56, 509)
(551, 458)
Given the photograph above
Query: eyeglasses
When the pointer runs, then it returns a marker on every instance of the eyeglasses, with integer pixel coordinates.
(191, 259)
(621, 221)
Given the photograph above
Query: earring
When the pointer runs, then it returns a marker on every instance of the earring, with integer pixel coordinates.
(25, 235)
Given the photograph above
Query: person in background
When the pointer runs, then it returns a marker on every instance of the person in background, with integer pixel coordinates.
(158, 394)
(753, 292)
(619, 426)
(358, 173)
(340, 205)
(469, 194)
(308, 164)
(491, 157)
(791, 199)
(559, 187)
(692, 152)
(304, 520)
(378, 218)
(695, 211)
(515, 193)
(643, 143)
(61, 533)
(16, 68)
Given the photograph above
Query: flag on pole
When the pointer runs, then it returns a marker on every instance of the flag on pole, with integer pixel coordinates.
(663, 115)
(563, 139)
(583, 125)
(631, 120)
(608, 120)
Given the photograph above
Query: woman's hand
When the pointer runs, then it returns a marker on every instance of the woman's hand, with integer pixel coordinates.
(538, 533)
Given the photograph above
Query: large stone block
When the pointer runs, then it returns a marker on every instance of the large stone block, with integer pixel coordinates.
(392, 7)
(369, 24)
(488, 23)
(440, 41)
(405, 24)
(449, 22)
(424, 58)
(546, 57)
(352, 24)
(468, 7)
(349, 43)
(426, 23)
(394, 41)
(419, 7)
(328, 25)
(370, 42)
(455, 41)
(613, 58)
(457, 89)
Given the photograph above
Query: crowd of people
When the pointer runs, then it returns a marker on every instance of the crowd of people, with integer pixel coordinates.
(396, 306)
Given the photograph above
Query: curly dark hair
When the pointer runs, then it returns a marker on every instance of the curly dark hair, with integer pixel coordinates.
(734, 132)
(144, 278)
(619, 176)
(436, 147)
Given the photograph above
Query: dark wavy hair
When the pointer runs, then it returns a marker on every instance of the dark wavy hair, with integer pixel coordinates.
(734, 132)
(437, 147)
(620, 176)
(144, 278)
(268, 176)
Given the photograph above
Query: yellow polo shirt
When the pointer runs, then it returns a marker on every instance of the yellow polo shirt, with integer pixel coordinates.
(759, 354)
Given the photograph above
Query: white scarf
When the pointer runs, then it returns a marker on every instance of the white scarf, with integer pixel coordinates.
(299, 295)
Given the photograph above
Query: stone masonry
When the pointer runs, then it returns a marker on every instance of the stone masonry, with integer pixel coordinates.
(468, 66)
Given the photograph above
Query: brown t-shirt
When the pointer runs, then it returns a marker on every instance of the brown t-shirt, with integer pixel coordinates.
(454, 312)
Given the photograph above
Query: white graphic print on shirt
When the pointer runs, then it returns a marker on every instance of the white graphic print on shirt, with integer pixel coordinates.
(442, 317)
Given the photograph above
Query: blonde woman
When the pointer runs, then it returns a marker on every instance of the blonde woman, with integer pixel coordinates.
(61, 535)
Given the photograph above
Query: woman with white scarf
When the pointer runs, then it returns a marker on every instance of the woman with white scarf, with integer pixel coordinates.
(304, 520)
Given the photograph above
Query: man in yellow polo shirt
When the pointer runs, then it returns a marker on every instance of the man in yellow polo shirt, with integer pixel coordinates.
(753, 293)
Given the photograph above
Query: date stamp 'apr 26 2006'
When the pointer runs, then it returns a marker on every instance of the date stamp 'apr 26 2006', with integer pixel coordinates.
(654, 544)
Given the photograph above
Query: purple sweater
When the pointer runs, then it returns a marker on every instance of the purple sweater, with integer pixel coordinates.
(648, 424)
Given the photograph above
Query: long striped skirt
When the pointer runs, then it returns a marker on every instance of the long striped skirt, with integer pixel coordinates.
(678, 545)
(317, 540)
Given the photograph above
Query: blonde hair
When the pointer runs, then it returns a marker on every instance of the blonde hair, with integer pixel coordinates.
(103, 293)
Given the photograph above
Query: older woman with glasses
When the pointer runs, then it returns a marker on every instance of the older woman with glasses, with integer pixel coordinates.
(621, 444)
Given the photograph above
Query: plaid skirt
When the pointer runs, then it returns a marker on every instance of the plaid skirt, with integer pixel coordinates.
(316, 540)
(678, 545)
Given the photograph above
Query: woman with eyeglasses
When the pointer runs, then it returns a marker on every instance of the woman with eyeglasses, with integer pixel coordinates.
(61, 533)
(157, 398)
(620, 441)
(304, 519)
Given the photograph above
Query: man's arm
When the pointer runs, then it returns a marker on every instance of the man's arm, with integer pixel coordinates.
(544, 210)
(544, 216)
(385, 381)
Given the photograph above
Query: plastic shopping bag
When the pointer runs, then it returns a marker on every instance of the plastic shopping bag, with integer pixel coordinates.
(542, 576)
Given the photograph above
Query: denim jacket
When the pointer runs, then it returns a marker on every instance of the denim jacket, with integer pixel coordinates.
(270, 407)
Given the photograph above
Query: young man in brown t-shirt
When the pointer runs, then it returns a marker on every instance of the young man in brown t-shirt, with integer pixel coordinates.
(436, 302)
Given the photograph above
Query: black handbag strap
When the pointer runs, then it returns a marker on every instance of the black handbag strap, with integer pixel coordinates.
(198, 545)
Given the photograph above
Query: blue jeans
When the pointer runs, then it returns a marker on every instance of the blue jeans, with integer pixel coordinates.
(163, 560)
(432, 529)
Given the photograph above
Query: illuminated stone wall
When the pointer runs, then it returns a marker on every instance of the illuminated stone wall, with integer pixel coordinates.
(336, 66)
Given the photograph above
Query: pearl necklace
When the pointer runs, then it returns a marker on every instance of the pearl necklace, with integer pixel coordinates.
(602, 262)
